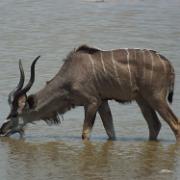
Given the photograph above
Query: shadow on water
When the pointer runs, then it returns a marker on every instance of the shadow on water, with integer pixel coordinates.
(89, 160)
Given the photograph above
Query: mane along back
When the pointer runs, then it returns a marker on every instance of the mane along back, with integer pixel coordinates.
(87, 49)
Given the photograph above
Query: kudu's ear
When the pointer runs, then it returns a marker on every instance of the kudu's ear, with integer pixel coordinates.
(31, 100)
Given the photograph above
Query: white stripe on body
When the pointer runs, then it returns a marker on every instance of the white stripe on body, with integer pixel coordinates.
(93, 67)
(129, 67)
(114, 66)
(152, 65)
(144, 68)
(162, 62)
(102, 61)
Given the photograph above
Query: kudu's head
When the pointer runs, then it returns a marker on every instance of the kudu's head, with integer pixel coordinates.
(19, 103)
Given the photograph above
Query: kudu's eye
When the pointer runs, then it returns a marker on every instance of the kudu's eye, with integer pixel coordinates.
(14, 115)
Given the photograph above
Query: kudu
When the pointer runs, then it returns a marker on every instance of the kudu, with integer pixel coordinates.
(90, 77)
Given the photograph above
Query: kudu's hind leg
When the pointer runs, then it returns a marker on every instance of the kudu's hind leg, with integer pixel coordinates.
(90, 115)
(151, 118)
(167, 114)
(106, 116)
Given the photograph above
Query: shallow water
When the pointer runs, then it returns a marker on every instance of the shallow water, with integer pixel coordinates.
(52, 29)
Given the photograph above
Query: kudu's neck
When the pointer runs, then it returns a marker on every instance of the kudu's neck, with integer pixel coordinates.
(47, 100)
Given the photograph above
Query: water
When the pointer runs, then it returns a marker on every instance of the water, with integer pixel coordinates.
(52, 29)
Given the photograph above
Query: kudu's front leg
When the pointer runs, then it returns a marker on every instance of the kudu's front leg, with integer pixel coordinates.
(90, 115)
(106, 116)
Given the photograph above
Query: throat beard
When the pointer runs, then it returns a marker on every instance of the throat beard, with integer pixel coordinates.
(55, 119)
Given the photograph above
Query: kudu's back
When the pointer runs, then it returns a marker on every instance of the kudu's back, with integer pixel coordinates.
(124, 74)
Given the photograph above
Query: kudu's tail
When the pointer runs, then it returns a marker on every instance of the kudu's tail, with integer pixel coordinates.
(171, 86)
(170, 96)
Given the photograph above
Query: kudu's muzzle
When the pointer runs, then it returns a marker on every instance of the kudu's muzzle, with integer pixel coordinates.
(5, 128)
(11, 127)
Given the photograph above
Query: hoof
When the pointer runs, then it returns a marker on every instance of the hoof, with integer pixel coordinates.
(85, 137)
(111, 138)
(153, 138)
(178, 138)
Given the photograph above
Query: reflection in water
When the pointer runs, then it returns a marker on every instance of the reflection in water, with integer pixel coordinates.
(108, 160)
(154, 158)
(95, 161)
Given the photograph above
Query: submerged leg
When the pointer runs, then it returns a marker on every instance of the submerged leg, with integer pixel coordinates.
(151, 118)
(106, 116)
(90, 115)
